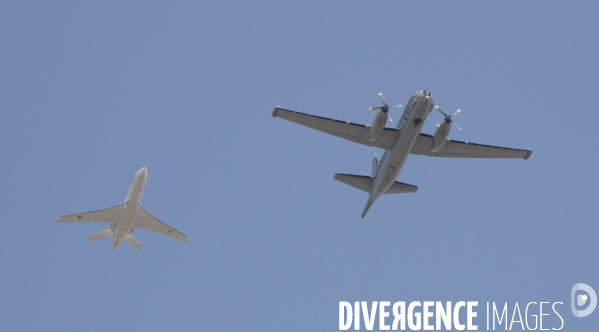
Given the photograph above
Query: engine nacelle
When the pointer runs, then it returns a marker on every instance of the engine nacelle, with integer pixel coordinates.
(377, 126)
(440, 136)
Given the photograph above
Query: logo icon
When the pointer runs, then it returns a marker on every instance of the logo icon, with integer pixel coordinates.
(579, 299)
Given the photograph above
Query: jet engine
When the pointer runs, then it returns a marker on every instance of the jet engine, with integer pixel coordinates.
(380, 119)
(442, 131)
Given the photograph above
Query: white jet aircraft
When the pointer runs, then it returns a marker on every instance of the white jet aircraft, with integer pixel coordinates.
(398, 143)
(125, 218)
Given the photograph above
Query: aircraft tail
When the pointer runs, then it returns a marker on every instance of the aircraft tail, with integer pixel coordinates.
(100, 235)
(132, 241)
(364, 183)
(367, 207)
(375, 165)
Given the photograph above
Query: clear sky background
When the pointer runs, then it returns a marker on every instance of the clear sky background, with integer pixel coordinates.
(92, 92)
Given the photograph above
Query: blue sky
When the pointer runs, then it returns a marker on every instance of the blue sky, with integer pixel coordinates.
(92, 92)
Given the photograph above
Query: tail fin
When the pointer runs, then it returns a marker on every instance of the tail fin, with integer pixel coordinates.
(375, 165)
(132, 241)
(100, 235)
(364, 183)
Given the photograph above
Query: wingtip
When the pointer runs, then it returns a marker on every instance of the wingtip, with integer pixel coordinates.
(275, 112)
(528, 154)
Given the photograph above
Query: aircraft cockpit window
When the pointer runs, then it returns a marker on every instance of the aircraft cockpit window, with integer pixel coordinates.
(427, 93)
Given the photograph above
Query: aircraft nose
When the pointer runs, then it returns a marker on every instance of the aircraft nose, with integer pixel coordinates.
(143, 171)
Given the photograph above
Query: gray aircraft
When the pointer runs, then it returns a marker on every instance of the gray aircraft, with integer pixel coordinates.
(398, 143)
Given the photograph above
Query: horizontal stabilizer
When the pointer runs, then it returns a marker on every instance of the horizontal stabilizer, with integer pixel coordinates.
(401, 188)
(364, 183)
(100, 235)
(361, 182)
(132, 241)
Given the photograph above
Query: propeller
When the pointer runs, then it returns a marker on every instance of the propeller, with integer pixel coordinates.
(384, 108)
(448, 117)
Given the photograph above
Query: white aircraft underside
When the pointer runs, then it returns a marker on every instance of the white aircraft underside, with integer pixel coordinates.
(126, 217)
(398, 144)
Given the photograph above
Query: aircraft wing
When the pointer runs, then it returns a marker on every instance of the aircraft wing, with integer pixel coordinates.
(348, 130)
(144, 220)
(107, 215)
(459, 149)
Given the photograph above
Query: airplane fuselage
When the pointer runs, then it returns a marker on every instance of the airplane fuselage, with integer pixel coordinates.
(131, 206)
(415, 113)
(126, 217)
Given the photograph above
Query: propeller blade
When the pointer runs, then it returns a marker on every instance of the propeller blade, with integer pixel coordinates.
(390, 116)
(456, 125)
(385, 107)
(439, 109)
(456, 112)
(382, 99)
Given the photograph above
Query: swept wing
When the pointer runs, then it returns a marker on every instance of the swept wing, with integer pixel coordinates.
(110, 215)
(145, 220)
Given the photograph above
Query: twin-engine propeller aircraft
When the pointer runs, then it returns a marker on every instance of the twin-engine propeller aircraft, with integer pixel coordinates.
(398, 143)
(125, 218)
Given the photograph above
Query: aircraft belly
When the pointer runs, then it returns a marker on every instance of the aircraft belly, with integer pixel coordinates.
(395, 160)
(130, 214)
(134, 196)
(121, 230)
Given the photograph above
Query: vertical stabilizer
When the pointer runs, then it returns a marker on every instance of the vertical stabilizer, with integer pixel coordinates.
(375, 165)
